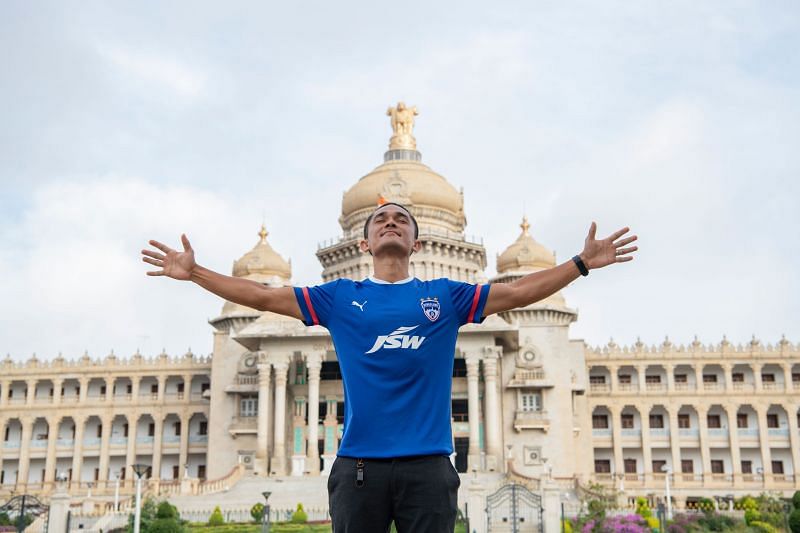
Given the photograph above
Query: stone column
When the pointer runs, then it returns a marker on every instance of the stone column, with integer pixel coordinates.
(733, 436)
(474, 454)
(50, 459)
(705, 451)
(3, 423)
(264, 392)
(77, 450)
(109, 390)
(105, 443)
(616, 438)
(30, 392)
(670, 378)
(794, 441)
(5, 389)
(130, 451)
(162, 386)
(614, 370)
(279, 445)
(57, 384)
(675, 443)
(135, 382)
(494, 446)
(757, 378)
(641, 374)
(183, 450)
(314, 364)
(647, 453)
(727, 368)
(158, 437)
(788, 387)
(24, 453)
(187, 388)
(84, 392)
(763, 437)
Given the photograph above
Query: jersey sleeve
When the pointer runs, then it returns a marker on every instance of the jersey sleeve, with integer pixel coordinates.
(468, 300)
(316, 303)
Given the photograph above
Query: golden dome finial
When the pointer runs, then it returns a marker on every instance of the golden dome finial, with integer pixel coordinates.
(525, 226)
(263, 234)
(402, 127)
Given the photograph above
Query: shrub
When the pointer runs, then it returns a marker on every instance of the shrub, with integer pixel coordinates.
(167, 510)
(751, 515)
(257, 512)
(299, 516)
(216, 518)
(794, 519)
(164, 525)
(717, 522)
(566, 526)
(763, 527)
(796, 500)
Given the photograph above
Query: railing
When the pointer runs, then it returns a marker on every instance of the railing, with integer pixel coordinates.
(246, 379)
(778, 432)
(627, 387)
(145, 440)
(198, 439)
(655, 387)
(599, 387)
(747, 432)
(718, 432)
(119, 440)
(684, 386)
(171, 439)
(743, 386)
(659, 432)
(772, 385)
(11, 444)
(92, 441)
(712, 386)
(65, 442)
(529, 374)
(688, 432)
(36, 443)
(601, 432)
(223, 483)
(631, 432)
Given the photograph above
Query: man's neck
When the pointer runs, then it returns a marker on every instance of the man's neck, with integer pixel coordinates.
(391, 269)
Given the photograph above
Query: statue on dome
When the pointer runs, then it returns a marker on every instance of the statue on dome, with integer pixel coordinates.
(402, 118)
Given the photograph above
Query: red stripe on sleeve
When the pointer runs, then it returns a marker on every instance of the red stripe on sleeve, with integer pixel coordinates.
(475, 301)
(311, 307)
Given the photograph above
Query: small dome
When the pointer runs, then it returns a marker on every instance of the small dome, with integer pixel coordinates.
(263, 264)
(525, 254)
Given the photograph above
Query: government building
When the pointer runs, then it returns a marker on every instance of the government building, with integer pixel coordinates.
(530, 404)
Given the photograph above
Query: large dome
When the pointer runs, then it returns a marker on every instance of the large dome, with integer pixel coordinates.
(525, 254)
(263, 264)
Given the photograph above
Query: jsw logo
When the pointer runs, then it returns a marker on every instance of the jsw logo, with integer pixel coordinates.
(398, 339)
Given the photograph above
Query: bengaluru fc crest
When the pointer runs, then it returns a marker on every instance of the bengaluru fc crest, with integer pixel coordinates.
(430, 306)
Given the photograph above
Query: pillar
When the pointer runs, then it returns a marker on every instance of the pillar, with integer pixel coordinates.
(313, 364)
(57, 384)
(24, 452)
(158, 435)
(616, 439)
(105, 442)
(794, 440)
(763, 437)
(162, 386)
(52, 439)
(494, 452)
(183, 450)
(187, 388)
(474, 453)
(262, 442)
(135, 382)
(727, 368)
(130, 451)
(30, 392)
(670, 378)
(675, 443)
(279, 445)
(705, 451)
(733, 436)
(647, 452)
(5, 390)
(77, 449)
(84, 392)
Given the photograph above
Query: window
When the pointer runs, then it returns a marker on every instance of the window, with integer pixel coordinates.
(204, 387)
(737, 377)
(176, 471)
(772, 421)
(531, 401)
(768, 378)
(602, 466)
(340, 412)
(717, 466)
(747, 467)
(709, 378)
(248, 406)
(684, 422)
(201, 471)
(714, 421)
(681, 378)
(7, 430)
(657, 421)
(777, 467)
(630, 466)
(658, 466)
(125, 429)
(180, 387)
(99, 430)
(151, 429)
(741, 420)
(687, 466)
(102, 390)
(795, 377)
(330, 371)
(96, 474)
(459, 368)
(598, 422)
(203, 429)
(128, 389)
(177, 426)
(459, 409)
(652, 379)
(627, 421)
(600, 380)
(154, 388)
(625, 379)
(122, 473)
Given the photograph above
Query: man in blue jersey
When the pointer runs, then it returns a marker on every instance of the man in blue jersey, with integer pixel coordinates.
(395, 338)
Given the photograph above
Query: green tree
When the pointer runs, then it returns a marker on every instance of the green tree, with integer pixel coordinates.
(216, 518)
(299, 516)
(257, 512)
(796, 500)
(794, 520)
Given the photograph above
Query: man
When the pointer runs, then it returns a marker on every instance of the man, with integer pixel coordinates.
(395, 338)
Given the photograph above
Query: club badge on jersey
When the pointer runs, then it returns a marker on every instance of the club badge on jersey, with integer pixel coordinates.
(430, 306)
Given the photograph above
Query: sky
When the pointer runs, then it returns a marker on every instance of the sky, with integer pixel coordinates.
(127, 121)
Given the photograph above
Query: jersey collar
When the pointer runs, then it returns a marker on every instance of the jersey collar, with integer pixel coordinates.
(373, 279)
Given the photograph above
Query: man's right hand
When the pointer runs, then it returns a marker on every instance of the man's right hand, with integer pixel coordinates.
(173, 264)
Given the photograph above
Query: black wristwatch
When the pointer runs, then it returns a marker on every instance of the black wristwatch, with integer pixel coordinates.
(582, 267)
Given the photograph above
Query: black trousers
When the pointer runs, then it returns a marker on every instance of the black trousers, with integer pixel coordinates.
(419, 493)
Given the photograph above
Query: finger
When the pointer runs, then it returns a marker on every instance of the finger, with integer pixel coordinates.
(619, 233)
(185, 240)
(592, 231)
(623, 251)
(623, 259)
(625, 241)
(163, 247)
(153, 262)
(154, 255)
(155, 273)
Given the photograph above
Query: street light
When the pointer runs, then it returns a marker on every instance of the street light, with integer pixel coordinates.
(265, 517)
(139, 469)
(667, 471)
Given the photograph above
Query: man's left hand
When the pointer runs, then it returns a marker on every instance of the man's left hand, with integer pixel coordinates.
(598, 253)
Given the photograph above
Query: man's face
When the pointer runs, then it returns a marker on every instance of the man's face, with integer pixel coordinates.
(390, 231)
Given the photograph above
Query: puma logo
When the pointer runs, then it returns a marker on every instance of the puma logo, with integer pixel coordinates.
(360, 306)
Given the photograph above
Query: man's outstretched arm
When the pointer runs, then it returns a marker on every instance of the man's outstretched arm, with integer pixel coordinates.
(182, 266)
(539, 285)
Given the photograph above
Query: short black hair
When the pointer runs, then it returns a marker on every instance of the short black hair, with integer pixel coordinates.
(401, 206)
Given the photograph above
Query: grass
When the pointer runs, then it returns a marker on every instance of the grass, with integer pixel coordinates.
(283, 528)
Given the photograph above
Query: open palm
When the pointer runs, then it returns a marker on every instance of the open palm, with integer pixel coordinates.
(598, 253)
(173, 264)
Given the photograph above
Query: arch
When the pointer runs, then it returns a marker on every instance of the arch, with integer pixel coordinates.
(743, 377)
(713, 376)
(685, 377)
(655, 377)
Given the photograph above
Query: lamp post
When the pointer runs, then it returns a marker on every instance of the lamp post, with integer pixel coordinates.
(139, 469)
(116, 493)
(667, 471)
(265, 517)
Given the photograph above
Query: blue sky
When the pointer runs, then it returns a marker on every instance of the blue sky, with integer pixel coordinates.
(139, 120)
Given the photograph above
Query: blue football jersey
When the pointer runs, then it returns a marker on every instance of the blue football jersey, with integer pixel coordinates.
(395, 343)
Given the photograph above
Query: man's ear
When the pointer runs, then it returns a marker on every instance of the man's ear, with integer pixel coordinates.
(363, 245)
(416, 247)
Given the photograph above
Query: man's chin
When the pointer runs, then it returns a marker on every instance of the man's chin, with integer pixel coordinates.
(392, 248)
